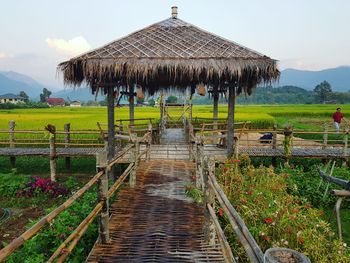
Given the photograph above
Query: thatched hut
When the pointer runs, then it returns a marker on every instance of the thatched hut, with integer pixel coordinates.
(171, 54)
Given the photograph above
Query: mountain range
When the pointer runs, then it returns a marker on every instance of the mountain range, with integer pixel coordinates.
(339, 78)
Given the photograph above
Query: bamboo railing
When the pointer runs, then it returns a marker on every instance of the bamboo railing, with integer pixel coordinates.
(102, 207)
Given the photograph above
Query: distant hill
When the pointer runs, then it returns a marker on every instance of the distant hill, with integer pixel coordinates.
(339, 78)
(13, 82)
(81, 94)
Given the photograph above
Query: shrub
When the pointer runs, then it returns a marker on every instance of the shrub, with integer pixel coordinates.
(278, 218)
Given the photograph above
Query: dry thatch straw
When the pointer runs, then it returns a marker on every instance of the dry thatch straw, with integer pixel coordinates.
(171, 54)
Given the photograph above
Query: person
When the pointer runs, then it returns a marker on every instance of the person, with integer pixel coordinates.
(337, 118)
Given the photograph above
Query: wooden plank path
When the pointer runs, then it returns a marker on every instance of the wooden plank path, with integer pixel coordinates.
(155, 221)
(64, 152)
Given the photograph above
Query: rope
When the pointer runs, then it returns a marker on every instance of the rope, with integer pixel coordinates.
(6, 213)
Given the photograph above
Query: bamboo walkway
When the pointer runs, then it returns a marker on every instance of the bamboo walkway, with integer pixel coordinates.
(155, 221)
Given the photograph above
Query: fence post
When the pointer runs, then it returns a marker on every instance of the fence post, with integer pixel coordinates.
(66, 144)
(274, 143)
(53, 158)
(325, 135)
(345, 149)
(209, 198)
(287, 143)
(199, 163)
(12, 125)
(134, 159)
(149, 141)
(236, 148)
(101, 164)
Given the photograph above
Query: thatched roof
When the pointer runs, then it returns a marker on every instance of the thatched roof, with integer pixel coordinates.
(170, 54)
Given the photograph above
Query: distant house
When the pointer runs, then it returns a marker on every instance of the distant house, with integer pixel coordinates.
(75, 103)
(11, 98)
(54, 102)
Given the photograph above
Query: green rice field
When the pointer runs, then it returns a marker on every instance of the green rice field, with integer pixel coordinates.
(306, 117)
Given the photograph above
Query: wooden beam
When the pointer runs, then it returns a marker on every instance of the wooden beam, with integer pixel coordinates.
(230, 122)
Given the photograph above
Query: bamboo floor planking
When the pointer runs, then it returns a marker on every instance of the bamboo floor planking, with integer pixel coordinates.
(155, 221)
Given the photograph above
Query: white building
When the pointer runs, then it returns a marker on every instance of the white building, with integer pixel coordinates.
(11, 98)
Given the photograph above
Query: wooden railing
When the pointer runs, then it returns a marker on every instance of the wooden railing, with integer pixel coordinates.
(280, 138)
(102, 207)
(205, 179)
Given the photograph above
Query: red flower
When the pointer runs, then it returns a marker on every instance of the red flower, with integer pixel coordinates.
(294, 211)
(221, 212)
(235, 161)
(268, 220)
(307, 206)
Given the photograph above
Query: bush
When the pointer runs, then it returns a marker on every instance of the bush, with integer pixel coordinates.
(278, 218)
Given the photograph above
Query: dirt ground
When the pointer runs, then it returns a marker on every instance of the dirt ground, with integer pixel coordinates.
(16, 223)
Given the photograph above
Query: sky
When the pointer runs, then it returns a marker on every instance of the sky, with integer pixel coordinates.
(36, 35)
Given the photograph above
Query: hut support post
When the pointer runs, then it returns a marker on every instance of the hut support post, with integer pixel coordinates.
(230, 123)
(346, 144)
(215, 106)
(53, 157)
(149, 142)
(101, 164)
(66, 144)
(209, 198)
(12, 125)
(131, 104)
(325, 135)
(111, 128)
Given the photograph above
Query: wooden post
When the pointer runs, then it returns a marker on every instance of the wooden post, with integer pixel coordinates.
(101, 164)
(12, 125)
(274, 143)
(134, 159)
(325, 135)
(149, 141)
(121, 129)
(131, 104)
(345, 149)
(199, 163)
(236, 148)
(215, 106)
(288, 137)
(66, 144)
(190, 111)
(230, 124)
(209, 198)
(111, 128)
(53, 157)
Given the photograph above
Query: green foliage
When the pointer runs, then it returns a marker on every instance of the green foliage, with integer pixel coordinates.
(151, 102)
(24, 95)
(43, 245)
(323, 92)
(10, 183)
(45, 95)
(171, 99)
(276, 216)
(195, 193)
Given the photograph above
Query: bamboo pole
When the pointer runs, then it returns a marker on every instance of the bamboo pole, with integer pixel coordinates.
(226, 250)
(84, 224)
(67, 160)
(101, 165)
(11, 131)
(325, 135)
(19, 241)
(53, 156)
(209, 199)
(215, 106)
(345, 149)
(252, 249)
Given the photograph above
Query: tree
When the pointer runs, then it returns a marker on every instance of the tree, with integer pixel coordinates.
(323, 92)
(45, 95)
(171, 99)
(24, 95)
(151, 102)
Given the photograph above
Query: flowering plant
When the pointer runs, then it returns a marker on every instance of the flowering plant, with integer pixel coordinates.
(38, 185)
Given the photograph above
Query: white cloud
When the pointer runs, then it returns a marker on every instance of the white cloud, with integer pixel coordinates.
(74, 46)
